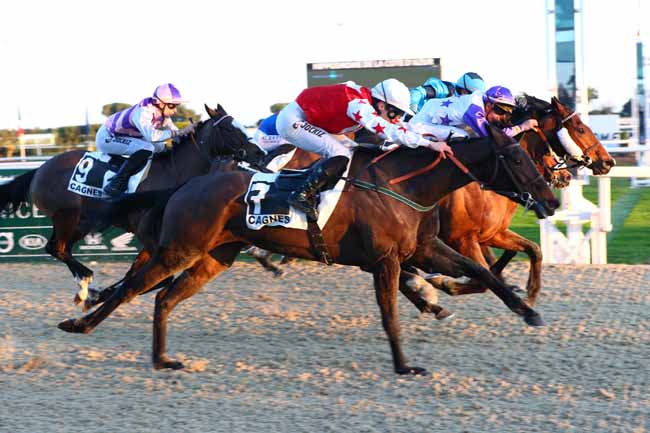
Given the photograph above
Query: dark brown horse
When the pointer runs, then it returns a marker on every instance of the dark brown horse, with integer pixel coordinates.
(203, 229)
(472, 219)
(499, 210)
(70, 213)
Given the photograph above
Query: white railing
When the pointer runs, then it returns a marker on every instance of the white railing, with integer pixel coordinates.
(574, 246)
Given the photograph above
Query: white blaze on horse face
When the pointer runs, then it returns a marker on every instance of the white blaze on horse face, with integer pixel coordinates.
(569, 145)
(423, 288)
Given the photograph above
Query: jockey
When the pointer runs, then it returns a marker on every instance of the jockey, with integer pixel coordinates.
(139, 132)
(267, 137)
(469, 82)
(318, 118)
(441, 117)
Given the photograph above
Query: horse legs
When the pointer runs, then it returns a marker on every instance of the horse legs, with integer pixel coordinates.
(164, 264)
(421, 293)
(386, 277)
(142, 258)
(436, 256)
(263, 257)
(511, 241)
(183, 287)
(65, 234)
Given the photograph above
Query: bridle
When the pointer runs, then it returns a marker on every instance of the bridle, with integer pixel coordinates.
(238, 154)
(567, 161)
(520, 195)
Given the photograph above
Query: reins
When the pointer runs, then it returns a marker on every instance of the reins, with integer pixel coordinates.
(522, 195)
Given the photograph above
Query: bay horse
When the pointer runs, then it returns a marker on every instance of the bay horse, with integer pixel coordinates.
(472, 220)
(495, 213)
(203, 229)
(71, 214)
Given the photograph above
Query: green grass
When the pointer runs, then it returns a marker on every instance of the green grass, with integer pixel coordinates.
(629, 241)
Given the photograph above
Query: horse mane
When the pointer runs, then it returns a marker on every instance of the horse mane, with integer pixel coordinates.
(170, 152)
(529, 106)
(423, 152)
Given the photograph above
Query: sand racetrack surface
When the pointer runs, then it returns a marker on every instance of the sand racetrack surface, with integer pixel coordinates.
(307, 353)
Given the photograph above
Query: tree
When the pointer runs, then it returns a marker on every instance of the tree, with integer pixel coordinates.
(275, 108)
(592, 94)
(626, 111)
(113, 108)
(182, 114)
(185, 114)
(605, 109)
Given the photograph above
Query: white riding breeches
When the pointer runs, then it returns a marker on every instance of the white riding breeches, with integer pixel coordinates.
(293, 126)
(122, 144)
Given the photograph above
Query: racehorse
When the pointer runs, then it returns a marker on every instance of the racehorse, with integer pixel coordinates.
(372, 227)
(472, 219)
(469, 214)
(71, 213)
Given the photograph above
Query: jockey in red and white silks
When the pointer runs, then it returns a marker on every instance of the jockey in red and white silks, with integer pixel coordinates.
(318, 119)
(441, 117)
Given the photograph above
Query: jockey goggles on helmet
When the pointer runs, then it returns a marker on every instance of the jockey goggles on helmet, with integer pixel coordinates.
(502, 109)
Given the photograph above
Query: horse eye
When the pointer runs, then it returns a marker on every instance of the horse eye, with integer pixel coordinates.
(581, 130)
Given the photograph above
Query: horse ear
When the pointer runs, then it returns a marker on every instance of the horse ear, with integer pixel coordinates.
(221, 110)
(555, 102)
(211, 112)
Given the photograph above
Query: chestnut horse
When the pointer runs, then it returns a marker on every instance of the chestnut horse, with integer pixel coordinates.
(71, 214)
(373, 227)
(472, 219)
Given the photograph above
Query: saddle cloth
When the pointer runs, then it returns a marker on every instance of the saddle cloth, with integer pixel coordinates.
(267, 196)
(95, 169)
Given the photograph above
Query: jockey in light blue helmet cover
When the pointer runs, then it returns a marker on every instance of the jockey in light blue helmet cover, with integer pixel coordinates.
(470, 82)
(436, 88)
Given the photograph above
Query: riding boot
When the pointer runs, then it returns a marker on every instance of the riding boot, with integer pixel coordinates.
(325, 174)
(118, 183)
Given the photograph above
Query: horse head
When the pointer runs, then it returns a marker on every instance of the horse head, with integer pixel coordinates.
(539, 143)
(530, 188)
(220, 135)
(599, 160)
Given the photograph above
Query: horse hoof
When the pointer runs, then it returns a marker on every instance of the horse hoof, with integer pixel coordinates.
(413, 371)
(278, 273)
(70, 325)
(444, 314)
(77, 299)
(534, 320)
(168, 363)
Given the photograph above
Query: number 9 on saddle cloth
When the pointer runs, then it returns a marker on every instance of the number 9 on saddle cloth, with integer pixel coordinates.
(96, 169)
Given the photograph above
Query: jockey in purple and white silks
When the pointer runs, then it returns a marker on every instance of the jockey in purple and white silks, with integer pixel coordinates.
(139, 132)
(441, 117)
(434, 87)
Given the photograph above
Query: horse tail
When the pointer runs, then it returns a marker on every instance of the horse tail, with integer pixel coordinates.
(16, 192)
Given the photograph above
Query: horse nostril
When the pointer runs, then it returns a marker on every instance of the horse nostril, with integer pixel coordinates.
(554, 204)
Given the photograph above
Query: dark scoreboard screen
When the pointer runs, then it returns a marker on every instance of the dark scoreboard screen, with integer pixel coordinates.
(412, 72)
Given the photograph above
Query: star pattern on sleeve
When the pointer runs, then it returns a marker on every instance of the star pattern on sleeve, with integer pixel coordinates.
(446, 103)
(378, 128)
(357, 116)
(404, 130)
(445, 120)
